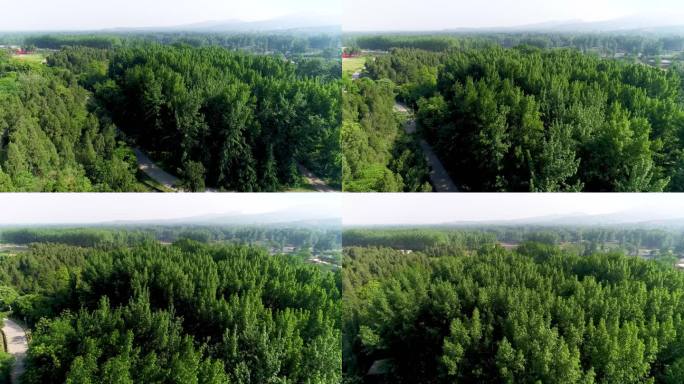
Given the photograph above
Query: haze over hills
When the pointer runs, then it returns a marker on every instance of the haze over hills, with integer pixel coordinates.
(295, 216)
(640, 217)
(668, 23)
(300, 22)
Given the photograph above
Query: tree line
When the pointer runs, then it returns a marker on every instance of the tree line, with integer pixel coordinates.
(322, 239)
(607, 44)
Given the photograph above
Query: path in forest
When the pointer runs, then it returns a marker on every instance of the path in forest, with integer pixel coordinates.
(439, 177)
(151, 169)
(316, 183)
(17, 345)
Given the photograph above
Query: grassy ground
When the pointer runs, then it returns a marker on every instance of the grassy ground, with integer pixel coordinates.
(150, 184)
(352, 65)
(303, 187)
(33, 58)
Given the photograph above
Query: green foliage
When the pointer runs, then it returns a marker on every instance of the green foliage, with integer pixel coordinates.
(7, 297)
(527, 119)
(377, 154)
(50, 140)
(248, 120)
(185, 313)
(6, 363)
(536, 314)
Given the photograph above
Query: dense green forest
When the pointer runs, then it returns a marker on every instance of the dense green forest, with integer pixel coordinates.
(182, 313)
(241, 122)
(377, 154)
(289, 44)
(475, 313)
(659, 243)
(604, 43)
(51, 140)
(319, 239)
(539, 119)
(216, 117)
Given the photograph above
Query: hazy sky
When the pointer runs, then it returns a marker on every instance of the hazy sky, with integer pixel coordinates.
(23, 15)
(364, 15)
(371, 209)
(45, 208)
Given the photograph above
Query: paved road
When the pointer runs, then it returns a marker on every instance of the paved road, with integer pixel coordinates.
(438, 175)
(17, 346)
(311, 179)
(151, 169)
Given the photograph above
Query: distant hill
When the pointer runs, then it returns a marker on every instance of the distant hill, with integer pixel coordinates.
(640, 218)
(303, 23)
(670, 23)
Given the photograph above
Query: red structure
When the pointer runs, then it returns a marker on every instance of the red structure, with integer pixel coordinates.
(347, 55)
(21, 51)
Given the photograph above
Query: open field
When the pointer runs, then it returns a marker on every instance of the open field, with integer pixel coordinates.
(12, 249)
(33, 58)
(353, 65)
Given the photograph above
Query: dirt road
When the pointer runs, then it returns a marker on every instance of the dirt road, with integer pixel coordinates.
(318, 184)
(439, 177)
(151, 169)
(17, 345)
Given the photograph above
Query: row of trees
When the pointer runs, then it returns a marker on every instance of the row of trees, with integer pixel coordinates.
(426, 239)
(526, 119)
(186, 313)
(603, 43)
(536, 314)
(377, 154)
(322, 239)
(290, 44)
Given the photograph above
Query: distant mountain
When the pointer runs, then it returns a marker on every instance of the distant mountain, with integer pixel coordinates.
(302, 22)
(665, 23)
(297, 216)
(641, 218)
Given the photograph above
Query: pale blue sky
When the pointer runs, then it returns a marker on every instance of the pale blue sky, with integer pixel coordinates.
(65, 208)
(439, 208)
(97, 14)
(364, 15)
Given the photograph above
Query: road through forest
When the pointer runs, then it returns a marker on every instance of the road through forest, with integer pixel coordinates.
(316, 183)
(439, 177)
(151, 169)
(17, 345)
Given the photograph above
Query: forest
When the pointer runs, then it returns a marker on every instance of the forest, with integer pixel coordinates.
(662, 244)
(215, 115)
(187, 312)
(603, 43)
(475, 312)
(515, 116)
(320, 239)
(378, 155)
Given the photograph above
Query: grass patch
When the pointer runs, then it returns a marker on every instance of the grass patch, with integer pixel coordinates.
(32, 58)
(8, 83)
(150, 184)
(353, 64)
